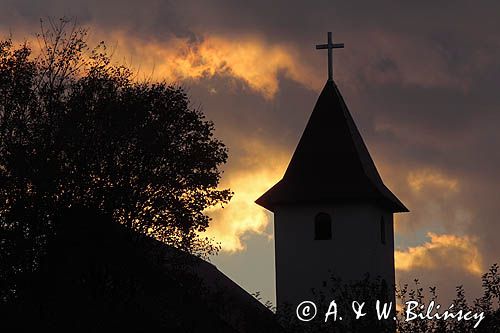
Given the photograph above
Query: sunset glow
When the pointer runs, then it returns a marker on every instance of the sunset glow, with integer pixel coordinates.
(251, 60)
(242, 216)
(442, 251)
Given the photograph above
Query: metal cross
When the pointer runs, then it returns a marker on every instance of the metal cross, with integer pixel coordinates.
(330, 46)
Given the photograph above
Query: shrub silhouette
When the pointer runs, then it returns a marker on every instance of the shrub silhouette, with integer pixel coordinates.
(371, 289)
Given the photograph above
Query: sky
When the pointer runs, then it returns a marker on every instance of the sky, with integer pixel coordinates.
(420, 78)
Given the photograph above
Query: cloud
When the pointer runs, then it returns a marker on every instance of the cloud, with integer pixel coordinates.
(442, 252)
(248, 58)
(234, 222)
(425, 178)
(391, 57)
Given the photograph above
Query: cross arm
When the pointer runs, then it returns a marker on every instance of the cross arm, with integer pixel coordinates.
(332, 46)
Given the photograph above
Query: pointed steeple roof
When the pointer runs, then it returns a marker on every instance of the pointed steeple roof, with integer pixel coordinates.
(331, 162)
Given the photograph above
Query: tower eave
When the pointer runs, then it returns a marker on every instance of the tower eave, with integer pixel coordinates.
(275, 197)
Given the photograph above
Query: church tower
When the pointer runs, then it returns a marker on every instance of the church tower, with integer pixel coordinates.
(332, 212)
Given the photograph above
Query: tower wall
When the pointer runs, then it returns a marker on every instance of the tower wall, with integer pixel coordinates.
(355, 249)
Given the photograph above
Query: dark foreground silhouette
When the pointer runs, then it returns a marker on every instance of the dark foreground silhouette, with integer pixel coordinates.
(99, 276)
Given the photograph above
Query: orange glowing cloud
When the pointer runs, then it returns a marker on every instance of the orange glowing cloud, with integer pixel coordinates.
(436, 198)
(421, 179)
(242, 216)
(442, 251)
(248, 58)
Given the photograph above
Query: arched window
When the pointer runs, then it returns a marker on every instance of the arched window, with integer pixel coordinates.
(382, 230)
(322, 227)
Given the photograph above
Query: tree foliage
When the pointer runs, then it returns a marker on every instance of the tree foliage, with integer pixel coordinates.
(78, 130)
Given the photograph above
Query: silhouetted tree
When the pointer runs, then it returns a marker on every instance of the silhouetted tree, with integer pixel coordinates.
(77, 130)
